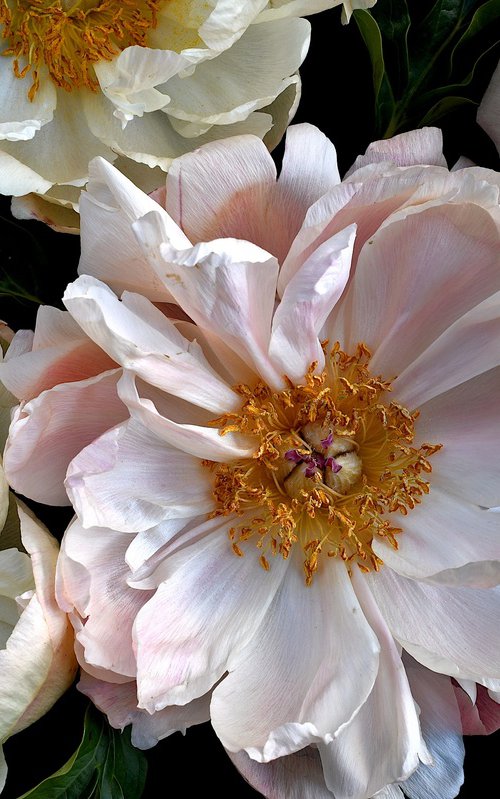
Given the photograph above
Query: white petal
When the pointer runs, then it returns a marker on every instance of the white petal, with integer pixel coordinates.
(21, 118)
(297, 776)
(183, 657)
(129, 480)
(305, 673)
(488, 114)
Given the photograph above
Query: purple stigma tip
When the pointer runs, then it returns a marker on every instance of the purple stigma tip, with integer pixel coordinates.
(310, 470)
(294, 456)
(334, 466)
(327, 442)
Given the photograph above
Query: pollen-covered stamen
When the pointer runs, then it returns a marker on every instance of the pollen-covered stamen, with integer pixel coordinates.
(68, 38)
(333, 456)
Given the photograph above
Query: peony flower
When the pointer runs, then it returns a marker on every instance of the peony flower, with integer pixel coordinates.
(138, 82)
(488, 113)
(291, 533)
(37, 662)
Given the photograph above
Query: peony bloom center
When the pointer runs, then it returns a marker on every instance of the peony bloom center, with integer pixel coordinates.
(68, 38)
(333, 457)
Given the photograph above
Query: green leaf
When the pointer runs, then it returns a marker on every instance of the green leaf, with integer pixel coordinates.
(484, 26)
(105, 766)
(393, 19)
(384, 96)
(443, 107)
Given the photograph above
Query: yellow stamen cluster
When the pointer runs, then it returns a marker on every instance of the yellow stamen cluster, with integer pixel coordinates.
(69, 41)
(343, 401)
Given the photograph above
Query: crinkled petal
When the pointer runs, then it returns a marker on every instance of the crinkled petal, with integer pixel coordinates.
(182, 659)
(129, 480)
(412, 148)
(304, 674)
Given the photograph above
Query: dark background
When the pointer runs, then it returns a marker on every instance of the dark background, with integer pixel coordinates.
(337, 96)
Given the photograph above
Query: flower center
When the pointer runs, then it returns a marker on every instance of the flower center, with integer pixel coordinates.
(332, 458)
(68, 38)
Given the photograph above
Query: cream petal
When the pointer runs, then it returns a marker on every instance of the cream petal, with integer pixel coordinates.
(297, 776)
(93, 581)
(228, 20)
(48, 431)
(140, 338)
(182, 659)
(16, 573)
(442, 731)
(446, 540)
(228, 88)
(412, 148)
(21, 118)
(465, 420)
(62, 218)
(306, 303)
(227, 286)
(305, 673)
(286, 8)
(129, 480)
(453, 630)
(469, 347)
(425, 257)
(119, 702)
(488, 114)
(199, 441)
(381, 745)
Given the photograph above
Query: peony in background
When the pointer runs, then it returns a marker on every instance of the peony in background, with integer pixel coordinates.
(344, 117)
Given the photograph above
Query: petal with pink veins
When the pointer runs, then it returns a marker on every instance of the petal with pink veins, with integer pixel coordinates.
(129, 480)
(304, 674)
(414, 147)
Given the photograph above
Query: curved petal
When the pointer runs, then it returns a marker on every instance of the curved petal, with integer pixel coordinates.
(183, 658)
(129, 480)
(480, 716)
(20, 117)
(48, 431)
(448, 629)
(305, 673)
(412, 148)
(382, 744)
(443, 539)
(297, 776)
(488, 114)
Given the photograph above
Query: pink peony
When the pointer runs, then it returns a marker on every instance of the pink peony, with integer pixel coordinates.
(221, 563)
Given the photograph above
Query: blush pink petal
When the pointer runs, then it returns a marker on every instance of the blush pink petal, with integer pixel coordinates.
(48, 431)
(383, 743)
(468, 347)
(141, 338)
(446, 540)
(466, 421)
(414, 147)
(453, 630)
(119, 702)
(297, 776)
(292, 685)
(201, 442)
(421, 263)
(181, 660)
(226, 286)
(488, 115)
(60, 352)
(110, 250)
(306, 302)
(481, 717)
(93, 582)
(110, 486)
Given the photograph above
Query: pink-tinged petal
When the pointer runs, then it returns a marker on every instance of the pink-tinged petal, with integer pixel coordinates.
(308, 171)
(467, 348)
(222, 190)
(119, 702)
(448, 629)
(201, 442)
(307, 301)
(466, 421)
(415, 147)
(297, 776)
(446, 540)
(38, 663)
(48, 431)
(93, 582)
(184, 657)
(110, 250)
(305, 673)
(226, 286)
(383, 742)
(222, 358)
(432, 281)
(442, 731)
(60, 353)
(140, 338)
(129, 480)
(488, 114)
(481, 717)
